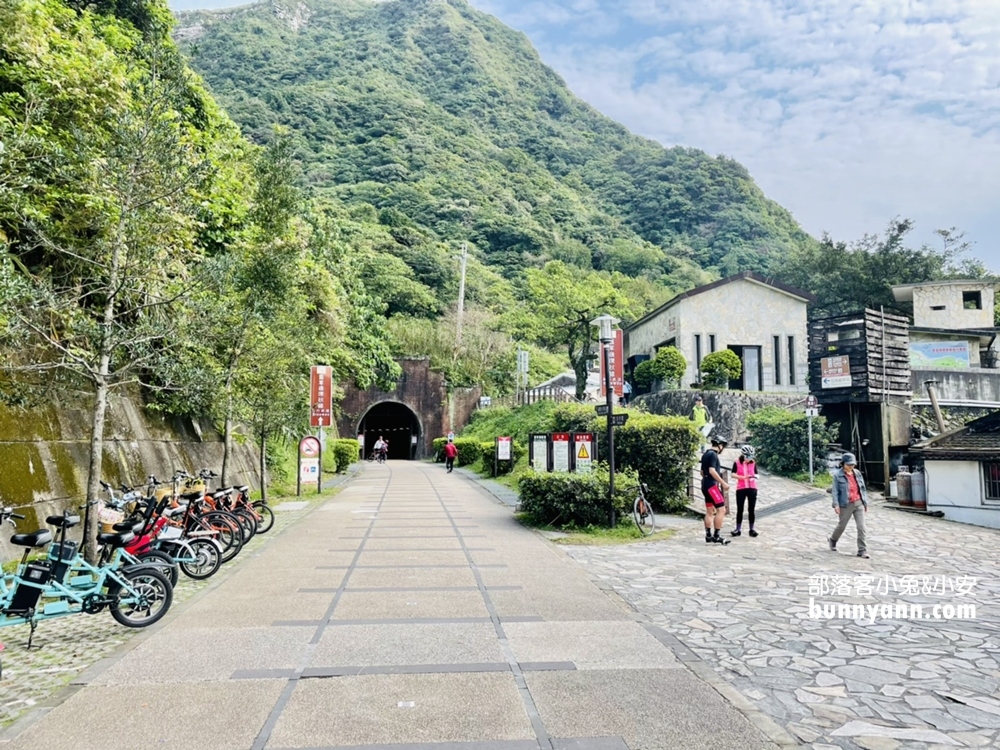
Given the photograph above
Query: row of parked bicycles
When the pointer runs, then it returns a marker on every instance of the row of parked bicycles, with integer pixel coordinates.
(148, 537)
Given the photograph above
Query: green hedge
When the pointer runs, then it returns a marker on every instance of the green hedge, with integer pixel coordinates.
(345, 452)
(562, 500)
(662, 450)
(496, 468)
(469, 451)
(782, 439)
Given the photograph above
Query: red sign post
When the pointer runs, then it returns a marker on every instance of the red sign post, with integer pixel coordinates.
(321, 396)
(616, 356)
(310, 463)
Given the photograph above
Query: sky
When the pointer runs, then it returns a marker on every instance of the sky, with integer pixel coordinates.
(846, 112)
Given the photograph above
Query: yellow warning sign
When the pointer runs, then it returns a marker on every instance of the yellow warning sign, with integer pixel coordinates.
(583, 452)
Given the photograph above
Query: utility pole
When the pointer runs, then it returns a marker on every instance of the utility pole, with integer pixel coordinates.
(461, 294)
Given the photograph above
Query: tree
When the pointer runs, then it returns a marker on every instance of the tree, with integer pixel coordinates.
(669, 365)
(562, 302)
(643, 375)
(96, 304)
(718, 368)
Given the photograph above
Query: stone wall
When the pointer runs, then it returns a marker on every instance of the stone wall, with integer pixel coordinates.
(953, 316)
(45, 454)
(729, 409)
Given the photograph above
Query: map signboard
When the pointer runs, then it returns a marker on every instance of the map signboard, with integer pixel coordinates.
(940, 355)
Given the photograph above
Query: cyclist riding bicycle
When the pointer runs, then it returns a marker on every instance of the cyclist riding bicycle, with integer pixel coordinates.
(381, 448)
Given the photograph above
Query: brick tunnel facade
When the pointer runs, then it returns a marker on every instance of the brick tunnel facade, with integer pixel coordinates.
(409, 417)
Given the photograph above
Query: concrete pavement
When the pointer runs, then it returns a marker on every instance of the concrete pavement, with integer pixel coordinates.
(411, 611)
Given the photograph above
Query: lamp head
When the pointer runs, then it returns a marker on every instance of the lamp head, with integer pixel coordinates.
(606, 325)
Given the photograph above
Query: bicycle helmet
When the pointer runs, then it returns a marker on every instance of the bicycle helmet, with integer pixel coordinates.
(719, 440)
(748, 452)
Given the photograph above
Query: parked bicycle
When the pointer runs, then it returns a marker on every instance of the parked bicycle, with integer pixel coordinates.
(642, 512)
(63, 583)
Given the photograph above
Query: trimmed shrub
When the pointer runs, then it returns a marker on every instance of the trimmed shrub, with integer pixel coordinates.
(662, 451)
(669, 365)
(573, 418)
(782, 440)
(438, 447)
(345, 452)
(469, 451)
(493, 469)
(562, 500)
(718, 368)
(643, 376)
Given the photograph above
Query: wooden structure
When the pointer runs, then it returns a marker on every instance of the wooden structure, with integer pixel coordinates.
(534, 395)
(866, 393)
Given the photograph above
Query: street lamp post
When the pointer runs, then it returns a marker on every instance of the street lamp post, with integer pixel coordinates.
(606, 324)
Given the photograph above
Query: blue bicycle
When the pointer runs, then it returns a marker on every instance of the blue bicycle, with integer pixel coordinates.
(63, 583)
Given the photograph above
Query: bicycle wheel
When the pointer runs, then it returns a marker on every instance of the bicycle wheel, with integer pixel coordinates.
(207, 560)
(228, 532)
(146, 599)
(642, 514)
(156, 556)
(265, 517)
(247, 523)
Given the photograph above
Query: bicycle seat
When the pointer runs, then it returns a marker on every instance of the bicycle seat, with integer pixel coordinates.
(116, 540)
(174, 512)
(191, 495)
(35, 539)
(123, 526)
(243, 488)
(63, 522)
(220, 494)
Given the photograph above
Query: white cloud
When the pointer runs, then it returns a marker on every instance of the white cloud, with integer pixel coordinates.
(848, 112)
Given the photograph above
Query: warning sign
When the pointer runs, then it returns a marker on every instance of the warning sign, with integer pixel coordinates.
(583, 452)
(560, 451)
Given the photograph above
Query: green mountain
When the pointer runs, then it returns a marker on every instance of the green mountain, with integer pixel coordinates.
(448, 123)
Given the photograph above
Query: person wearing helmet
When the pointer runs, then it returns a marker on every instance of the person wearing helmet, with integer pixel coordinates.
(745, 470)
(713, 487)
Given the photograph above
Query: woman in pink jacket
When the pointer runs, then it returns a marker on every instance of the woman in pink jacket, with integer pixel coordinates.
(745, 471)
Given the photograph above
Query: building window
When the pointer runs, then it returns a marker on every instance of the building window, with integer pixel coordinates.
(711, 343)
(972, 300)
(791, 360)
(991, 479)
(777, 360)
(697, 352)
(937, 307)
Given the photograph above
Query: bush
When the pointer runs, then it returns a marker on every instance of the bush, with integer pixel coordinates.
(782, 440)
(574, 418)
(662, 451)
(643, 375)
(562, 500)
(718, 368)
(469, 450)
(437, 445)
(493, 469)
(669, 365)
(345, 452)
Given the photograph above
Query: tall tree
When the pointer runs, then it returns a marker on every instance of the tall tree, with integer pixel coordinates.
(95, 303)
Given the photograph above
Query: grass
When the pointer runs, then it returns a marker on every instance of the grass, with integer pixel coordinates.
(625, 533)
(821, 478)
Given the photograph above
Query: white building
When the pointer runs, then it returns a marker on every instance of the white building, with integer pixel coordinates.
(963, 472)
(952, 323)
(762, 320)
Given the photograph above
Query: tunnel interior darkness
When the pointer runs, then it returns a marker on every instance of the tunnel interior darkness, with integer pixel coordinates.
(397, 424)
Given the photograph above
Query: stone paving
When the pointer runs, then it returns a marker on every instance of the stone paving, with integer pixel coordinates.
(920, 682)
(63, 648)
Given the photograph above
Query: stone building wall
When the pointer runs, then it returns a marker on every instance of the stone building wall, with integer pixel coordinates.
(954, 315)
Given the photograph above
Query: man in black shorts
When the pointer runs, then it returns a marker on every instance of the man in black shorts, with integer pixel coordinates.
(712, 487)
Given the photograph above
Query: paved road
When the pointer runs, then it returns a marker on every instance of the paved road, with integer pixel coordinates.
(411, 611)
(916, 682)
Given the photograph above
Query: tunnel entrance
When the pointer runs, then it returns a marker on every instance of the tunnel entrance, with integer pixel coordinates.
(395, 423)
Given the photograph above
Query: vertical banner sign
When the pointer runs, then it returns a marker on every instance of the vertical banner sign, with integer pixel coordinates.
(321, 396)
(539, 447)
(560, 451)
(310, 456)
(616, 357)
(583, 452)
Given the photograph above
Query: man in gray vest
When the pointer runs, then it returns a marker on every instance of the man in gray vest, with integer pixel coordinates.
(850, 500)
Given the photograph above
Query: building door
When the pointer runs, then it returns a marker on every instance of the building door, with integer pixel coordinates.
(751, 368)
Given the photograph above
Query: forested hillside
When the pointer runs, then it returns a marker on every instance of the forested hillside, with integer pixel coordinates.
(441, 112)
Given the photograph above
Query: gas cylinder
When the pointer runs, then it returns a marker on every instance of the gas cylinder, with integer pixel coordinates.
(903, 486)
(918, 489)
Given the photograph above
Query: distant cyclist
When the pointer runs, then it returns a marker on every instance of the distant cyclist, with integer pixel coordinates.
(381, 448)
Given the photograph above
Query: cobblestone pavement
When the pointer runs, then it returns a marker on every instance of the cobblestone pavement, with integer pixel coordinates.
(916, 682)
(63, 648)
